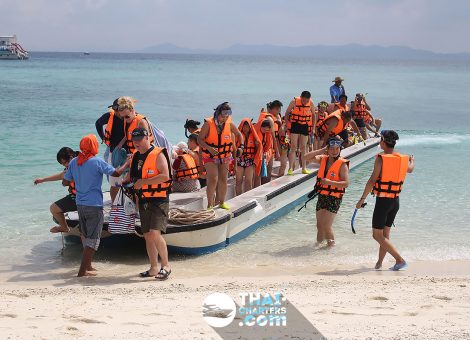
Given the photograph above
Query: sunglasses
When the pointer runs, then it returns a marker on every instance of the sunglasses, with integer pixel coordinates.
(335, 143)
(226, 113)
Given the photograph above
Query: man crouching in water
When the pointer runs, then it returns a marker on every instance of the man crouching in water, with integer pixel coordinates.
(386, 182)
(150, 175)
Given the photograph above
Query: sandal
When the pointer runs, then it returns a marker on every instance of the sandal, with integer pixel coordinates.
(145, 274)
(163, 274)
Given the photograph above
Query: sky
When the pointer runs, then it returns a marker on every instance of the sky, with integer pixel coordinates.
(128, 26)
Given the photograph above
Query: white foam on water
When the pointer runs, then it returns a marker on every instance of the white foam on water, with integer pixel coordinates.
(429, 139)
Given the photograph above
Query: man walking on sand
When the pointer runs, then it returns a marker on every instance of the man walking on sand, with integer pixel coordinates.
(150, 175)
(87, 172)
(386, 182)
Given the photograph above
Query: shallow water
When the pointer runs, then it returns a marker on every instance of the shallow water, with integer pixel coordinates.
(53, 99)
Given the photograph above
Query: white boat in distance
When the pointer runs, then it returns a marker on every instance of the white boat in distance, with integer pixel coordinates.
(10, 49)
(248, 212)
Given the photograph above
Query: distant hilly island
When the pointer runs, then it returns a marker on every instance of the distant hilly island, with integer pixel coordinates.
(318, 51)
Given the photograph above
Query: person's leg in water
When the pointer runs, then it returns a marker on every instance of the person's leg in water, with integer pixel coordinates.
(221, 190)
(212, 179)
(85, 266)
(382, 251)
(294, 142)
(248, 181)
(320, 230)
(386, 245)
(58, 214)
(326, 222)
(239, 179)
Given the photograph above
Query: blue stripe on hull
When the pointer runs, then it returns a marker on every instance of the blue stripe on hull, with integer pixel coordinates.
(196, 251)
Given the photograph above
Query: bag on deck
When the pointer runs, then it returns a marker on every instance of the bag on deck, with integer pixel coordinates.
(122, 215)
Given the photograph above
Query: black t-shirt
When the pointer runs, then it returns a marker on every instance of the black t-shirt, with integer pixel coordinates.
(136, 173)
(117, 133)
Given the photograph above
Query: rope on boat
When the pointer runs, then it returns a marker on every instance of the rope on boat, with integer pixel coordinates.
(184, 217)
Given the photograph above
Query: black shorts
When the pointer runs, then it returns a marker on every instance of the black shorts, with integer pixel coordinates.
(384, 212)
(360, 122)
(344, 135)
(67, 203)
(300, 129)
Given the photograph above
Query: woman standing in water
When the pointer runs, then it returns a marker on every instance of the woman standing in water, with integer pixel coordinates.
(332, 181)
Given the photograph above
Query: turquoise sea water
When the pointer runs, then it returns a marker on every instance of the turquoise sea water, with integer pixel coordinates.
(53, 99)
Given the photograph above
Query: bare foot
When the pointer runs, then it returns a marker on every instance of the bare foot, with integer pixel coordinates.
(86, 274)
(330, 243)
(378, 265)
(91, 269)
(59, 229)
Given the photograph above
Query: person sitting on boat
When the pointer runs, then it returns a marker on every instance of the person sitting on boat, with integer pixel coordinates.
(342, 105)
(87, 171)
(372, 124)
(216, 141)
(251, 155)
(361, 110)
(321, 115)
(332, 181)
(110, 128)
(386, 183)
(132, 120)
(191, 126)
(185, 170)
(337, 89)
(300, 118)
(195, 151)
(67, 203)
(150, 175)
(335, 125)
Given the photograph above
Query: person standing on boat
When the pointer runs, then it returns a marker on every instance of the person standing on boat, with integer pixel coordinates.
(337, 89)
(87, 171)
(300, 118)
(249, 158)
(185, 170)
(150, 175)
(332, 181)
(110, 128)
(197, 155)
(386, 183)
(191, 126)
(266, 128)
(216, 142)
(361, 111)
(66, 204)
(321, 115)
(132, 120)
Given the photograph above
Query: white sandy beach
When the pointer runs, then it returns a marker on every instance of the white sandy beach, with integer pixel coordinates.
(431, 300)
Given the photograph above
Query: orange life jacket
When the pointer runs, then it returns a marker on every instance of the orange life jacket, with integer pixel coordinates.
(249, 151)
(322, 126)
(221, 142)
(338, 106)
(301, 114)
(360, 111)
(266, 139)
(333, 175)
(109, 128)
(191, 171)
(149, 170)
(392, 175)
(132, 126)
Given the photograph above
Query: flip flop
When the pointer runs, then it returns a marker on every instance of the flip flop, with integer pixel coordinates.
(163, 274)
(399, 266)
(145, 274)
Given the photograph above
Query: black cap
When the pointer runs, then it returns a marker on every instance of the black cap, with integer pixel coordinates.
(139, 133)
(114, 105)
